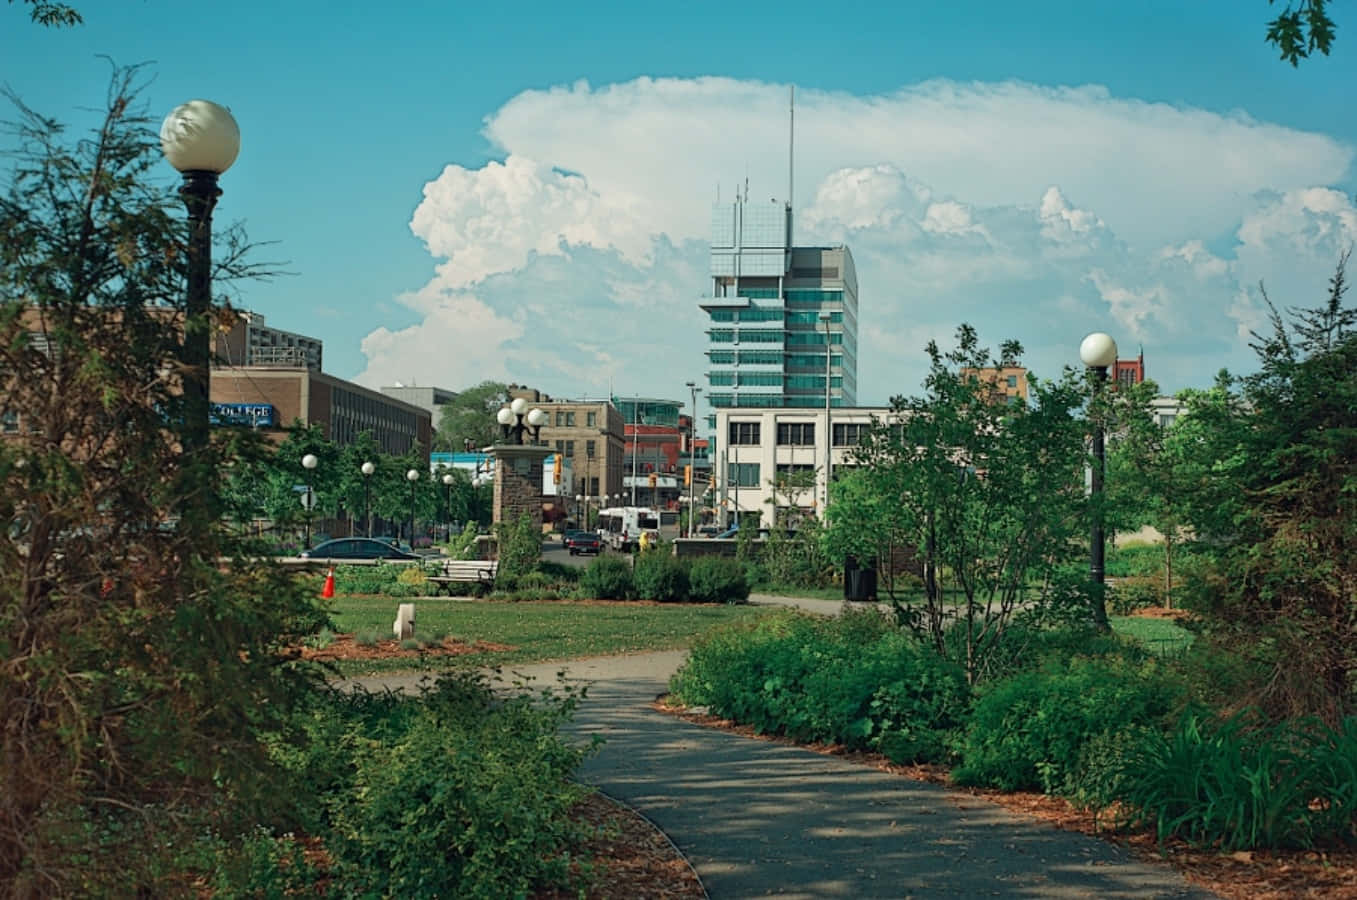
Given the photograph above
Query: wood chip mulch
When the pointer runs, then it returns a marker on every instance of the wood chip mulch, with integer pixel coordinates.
(1256, 875)
(345, 647)
(633, 858)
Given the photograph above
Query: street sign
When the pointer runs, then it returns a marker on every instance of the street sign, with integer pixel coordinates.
(308, 498)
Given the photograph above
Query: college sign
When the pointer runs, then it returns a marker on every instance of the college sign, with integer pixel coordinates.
(251, 415)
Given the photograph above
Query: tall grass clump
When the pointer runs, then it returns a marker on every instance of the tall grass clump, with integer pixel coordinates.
(1234, 785)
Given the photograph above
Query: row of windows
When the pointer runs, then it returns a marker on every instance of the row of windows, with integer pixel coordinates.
(810, 317)
(761, 357)
(811, 360)
(812, 338)
(773, 379)
(761, 336)
(795, 434)
(807, 382)
(813, 298)
(753, 314)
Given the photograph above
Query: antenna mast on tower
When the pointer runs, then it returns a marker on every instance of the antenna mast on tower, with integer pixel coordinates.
(791, 155)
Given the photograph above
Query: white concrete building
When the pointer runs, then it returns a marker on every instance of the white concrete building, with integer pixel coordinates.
(756, 445)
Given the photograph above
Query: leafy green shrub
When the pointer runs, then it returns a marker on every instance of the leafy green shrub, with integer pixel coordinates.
(537, 585)
(377, 579)
(455, 793)
(1135, 560)
(717, 579)
(607, 578)
(1026, 644)
(520, 547)
(855, 681)
(463, 546)
(1028, 731)
(660, 576)
(413, 577)
(1225, 784)
(1131, 594)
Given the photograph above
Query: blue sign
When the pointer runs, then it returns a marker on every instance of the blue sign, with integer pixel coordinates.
(251, 415)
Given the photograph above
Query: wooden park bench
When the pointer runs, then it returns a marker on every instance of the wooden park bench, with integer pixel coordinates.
(463, 571)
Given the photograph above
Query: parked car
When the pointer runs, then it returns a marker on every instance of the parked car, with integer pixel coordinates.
(568, 538)
(585, 542)
(356, 548)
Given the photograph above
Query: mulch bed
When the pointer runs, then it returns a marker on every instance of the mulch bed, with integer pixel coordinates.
(344, 647)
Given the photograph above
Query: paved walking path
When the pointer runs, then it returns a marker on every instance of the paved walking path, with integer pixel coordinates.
(763, 819)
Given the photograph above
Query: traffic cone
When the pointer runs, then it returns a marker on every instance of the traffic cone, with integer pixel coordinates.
(329, 590)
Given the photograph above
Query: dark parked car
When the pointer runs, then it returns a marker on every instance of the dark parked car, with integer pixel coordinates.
(356, 548)
(585, 542)
(568, 538)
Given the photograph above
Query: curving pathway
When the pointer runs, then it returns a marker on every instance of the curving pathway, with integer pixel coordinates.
(762, 819)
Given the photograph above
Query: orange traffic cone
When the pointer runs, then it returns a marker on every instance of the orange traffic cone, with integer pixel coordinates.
(329, 590)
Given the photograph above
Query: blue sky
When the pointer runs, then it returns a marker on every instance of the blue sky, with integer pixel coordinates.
(523, 191)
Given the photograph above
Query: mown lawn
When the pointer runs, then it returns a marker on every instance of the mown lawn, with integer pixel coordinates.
(1163, 636)
(538, 632)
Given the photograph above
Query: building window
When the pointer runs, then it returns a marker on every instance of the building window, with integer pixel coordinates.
(743, 475)
(721, 378)
(589, 449)
(850, 434)
(743, 434)
(1013, 381)
(560, 446)
(570, 448)
(9, 422)
(591, 421)
(796, 434)
(560, 420)
(761, 379)
(760, 336)
(723, 315)
(722, 357)
(761, 357)
(721, 335)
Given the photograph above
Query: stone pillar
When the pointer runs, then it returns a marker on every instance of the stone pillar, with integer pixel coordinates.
(518, 482)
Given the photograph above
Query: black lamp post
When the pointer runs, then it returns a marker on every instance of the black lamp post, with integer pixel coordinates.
(367, 469)
(201, 140)
(515, 419)
(412, 476)
(309, 462)
(447, 500)
(1097, 352)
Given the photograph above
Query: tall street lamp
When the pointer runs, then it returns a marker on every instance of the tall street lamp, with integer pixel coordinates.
(579, 516)
(201, 140)
(412, 476)
(367, 469)
(309, 462)
(515, 419)
(829, 428)
(1097, 352)
(692, 455)
(447, 484)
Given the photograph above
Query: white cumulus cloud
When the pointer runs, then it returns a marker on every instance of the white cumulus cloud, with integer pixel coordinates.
(575, 261)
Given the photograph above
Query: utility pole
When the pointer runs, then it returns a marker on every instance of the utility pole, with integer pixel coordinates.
(692, 457)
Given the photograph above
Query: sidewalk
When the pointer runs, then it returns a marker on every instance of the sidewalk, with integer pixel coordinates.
(763, 819)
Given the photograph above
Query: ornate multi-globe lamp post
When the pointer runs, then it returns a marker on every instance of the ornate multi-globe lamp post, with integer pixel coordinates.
(1098, 351)
(201, 140)
(515, 420)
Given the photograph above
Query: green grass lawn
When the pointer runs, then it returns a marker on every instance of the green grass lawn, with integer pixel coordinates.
(1164, 636)
(538, 631)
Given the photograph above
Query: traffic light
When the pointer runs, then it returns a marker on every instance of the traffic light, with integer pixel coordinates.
(687, 476)
(556, 469)
(654, 479)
